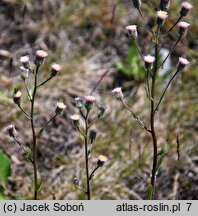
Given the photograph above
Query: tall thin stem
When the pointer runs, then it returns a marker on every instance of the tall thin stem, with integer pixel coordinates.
(41, 84)
(87, 156)
(34, 141)
(165, 89)
(152, 113)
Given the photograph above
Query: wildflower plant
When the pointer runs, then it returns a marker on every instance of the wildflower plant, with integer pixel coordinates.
(28, 70)
(83, 122)
(152, 64)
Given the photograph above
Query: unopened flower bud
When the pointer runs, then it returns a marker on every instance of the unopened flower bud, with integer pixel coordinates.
(185, 8)
(77, 182)
(24, 73)
(149, 61)
(60, 108)
(137, 3)
(102, 159)
(79, 102)
(40, 57)
(161, 17)
(55, 68)
(25, 61)
(101, 111)
(118, 93)
(132, 31)
(183, 28)
(164, 5)
(89, 102)
(92, 135)
(17, 96)
(182, 63)
(12, 131)
(75, 119)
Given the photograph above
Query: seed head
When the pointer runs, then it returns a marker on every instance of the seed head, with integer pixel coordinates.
(60, 108)
(132, 31)
(183, 28)
(17, 96)
(185, 8)
(182, 63)
(161, 17)
(137, 3)
(12, 131)
(118, 92)
(102, 159)
(164, 5)
(25, 61)
(55, 68)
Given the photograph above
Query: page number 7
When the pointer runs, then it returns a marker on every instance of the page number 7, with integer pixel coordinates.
(189, 205)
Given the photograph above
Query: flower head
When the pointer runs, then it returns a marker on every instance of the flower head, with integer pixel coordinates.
(60, 106)
(40, 57)
(102, 159)
(75, 117)
(182, 63)
(25, 61)
(55, 68)
(12, 131)
(92, 135)
(118, 92)
(132, 31)
(185, 8)
(161, 17)
(17, 96)
(183, 28)
(149, 61)
(101, 111)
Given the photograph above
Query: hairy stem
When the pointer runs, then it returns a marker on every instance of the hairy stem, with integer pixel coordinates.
(86, 156)
(152, 113)
(34, 134)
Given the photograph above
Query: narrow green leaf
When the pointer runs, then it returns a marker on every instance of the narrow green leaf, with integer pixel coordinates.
(150, 192)
(39, 185)
(5, 168)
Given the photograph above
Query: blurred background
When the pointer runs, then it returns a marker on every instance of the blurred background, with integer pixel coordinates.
(88, 39)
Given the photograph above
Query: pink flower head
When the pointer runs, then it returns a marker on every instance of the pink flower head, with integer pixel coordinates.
(183, 27)
(41, 54)
(118, 92)
(182, 63)
(185, 8)
(132, 30)
(161, 17)
(25, 61)
(149, 61)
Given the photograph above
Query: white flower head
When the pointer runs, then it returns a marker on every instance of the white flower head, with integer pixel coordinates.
(75, 117)
(102, 159)
(162, 14)
(90, 99)
(149, 59)
(41, 54)
(118, 92)
(24, 59)
(60, 106)
(56, 67)
(184, 25)
(132, 30)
